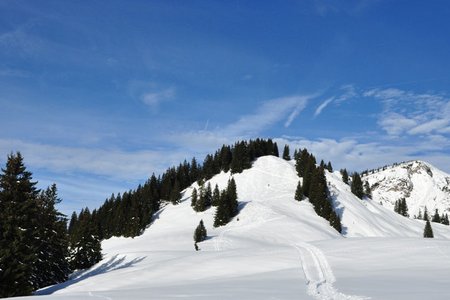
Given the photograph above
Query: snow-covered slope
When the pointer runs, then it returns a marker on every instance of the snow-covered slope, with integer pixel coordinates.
(420, 183)
(276, 248)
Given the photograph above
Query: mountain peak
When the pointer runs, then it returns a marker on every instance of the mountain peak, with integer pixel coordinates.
(419, 182)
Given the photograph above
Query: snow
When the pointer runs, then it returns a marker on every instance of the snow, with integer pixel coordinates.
(276, 248)
(420, 183)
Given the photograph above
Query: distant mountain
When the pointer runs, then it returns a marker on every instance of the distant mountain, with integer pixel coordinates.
(420, 183)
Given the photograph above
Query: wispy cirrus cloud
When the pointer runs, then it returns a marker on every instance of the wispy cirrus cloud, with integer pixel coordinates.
(322, 106)
(268, 114)
(347, 92)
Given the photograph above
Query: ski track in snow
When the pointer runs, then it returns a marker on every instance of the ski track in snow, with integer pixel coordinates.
(318, 274)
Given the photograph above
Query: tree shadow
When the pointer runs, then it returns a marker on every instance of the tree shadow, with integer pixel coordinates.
(114, 263)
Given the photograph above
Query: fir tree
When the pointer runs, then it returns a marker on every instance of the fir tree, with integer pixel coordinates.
(444, 219)
(51, 266)
(299, 192)
(286, 154)
(428, 231)
(344, 176)
(194, 197)
(85, 247)
(436, 218)
(335, 222)
(425, 214)
(404, 208)
(329, 167)
(357, 187)
(175, 193)
(228, 205)
(200, 233)
(19, 237)
(216, 196)
(367, 190)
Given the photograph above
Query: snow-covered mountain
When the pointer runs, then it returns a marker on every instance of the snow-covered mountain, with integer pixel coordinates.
(276, 248)
(420, 183)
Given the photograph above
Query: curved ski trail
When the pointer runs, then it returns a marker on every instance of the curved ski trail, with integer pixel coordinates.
(318, 274)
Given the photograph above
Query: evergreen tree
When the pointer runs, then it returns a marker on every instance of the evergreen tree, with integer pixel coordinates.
(299, 192)
(329, 167)
(85, 246)
(51, 266)
(425, 214)
(397, 206)
(194, 198)
(436, 218)
(216, 196)
(404, 208)
(19, 236)
(175, 193)
(201, 204)
(232, 198)
(286, 154)
(428, 231)
(419, 216)
(367, 190)
(335, 222)
(228, 205)
(444, 219)
(200, 233)
(344, 176)
(357, 186)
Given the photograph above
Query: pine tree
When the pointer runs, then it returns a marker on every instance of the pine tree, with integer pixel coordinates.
(344, 176)
(329, 167)
(425, 214)
(436, 218)
(85, 246)
(445, 220)
(200, 205)
(175, 193)
(19, 237)
(51, 266)
(299, 192)
(428, 231)
(232, 197)
(335, 222)
(403, 208)
(194, 198)
(228, 205)
(286, 154)
(216, 196)
(357, 187)
(200, 233)
(367, 190)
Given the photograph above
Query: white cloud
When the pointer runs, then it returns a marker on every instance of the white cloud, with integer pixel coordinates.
(112, 163)
(430, 126)
(269, 113)
(153, 99)
(322, 106)
(395, 124)
(411, 113)
(247, 126)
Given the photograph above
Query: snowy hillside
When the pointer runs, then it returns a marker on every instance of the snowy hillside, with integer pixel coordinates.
(276, 248)
(420, 183)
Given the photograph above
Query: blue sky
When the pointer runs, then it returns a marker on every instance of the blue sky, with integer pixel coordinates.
(98, 95)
